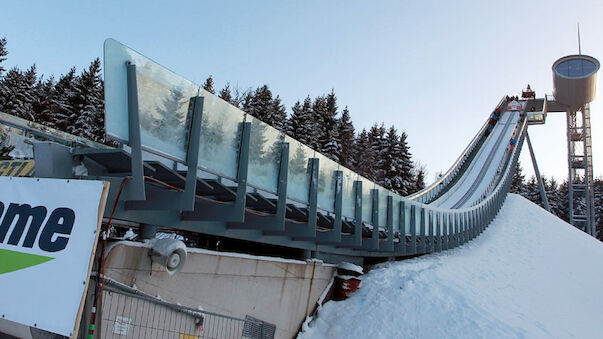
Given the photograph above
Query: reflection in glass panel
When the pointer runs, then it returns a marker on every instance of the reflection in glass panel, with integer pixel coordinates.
(367, 199)
(396, 212)
(264, 154)
(383, 194)
(326, 182)
(349, 193)
(163, 101)
(298, 178)
(165, 108)
(221, 131)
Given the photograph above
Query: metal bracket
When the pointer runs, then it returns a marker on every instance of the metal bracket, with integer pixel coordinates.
(136, 189)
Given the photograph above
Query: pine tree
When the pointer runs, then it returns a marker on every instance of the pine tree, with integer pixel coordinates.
(225, 94)
(406, 168)
(301, 122)
(88, 104)
(330, 141)
(364, 156)
(346, 134)
(17, 93)
(517, 182)
(376, 138)
(209, 85)
(61, 102)
(278, 115)
(43, 104)
(319, 107)
(259, 103)
(419, 178)
(3, 54)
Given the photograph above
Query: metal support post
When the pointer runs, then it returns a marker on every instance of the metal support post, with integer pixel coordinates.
(545, 201)
(137, 186)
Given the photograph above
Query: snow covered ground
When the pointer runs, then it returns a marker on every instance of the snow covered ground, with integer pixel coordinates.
(528, 275)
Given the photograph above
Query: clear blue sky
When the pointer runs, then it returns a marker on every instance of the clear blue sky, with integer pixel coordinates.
(435, 69)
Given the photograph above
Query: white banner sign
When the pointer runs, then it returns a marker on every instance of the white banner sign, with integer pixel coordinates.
(48, 232)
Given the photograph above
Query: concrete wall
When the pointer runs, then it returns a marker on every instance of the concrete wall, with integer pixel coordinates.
(277, 291)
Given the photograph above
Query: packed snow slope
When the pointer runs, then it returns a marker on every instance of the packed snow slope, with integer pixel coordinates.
(529, 275)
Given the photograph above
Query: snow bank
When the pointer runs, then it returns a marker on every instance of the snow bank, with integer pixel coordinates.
(529, 274)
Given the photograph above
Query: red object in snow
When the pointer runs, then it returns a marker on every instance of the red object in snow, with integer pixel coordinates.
(344, 286)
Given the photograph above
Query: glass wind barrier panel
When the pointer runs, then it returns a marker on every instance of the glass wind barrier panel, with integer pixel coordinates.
(265, 145)
(221, 131)
(298, 178)
(406, 221)
(349, 193)
(396, 199)
(326, 182)
(163, 101)
(367, 199)
(383, 194)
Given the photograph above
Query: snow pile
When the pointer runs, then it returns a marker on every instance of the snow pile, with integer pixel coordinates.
(529, 274)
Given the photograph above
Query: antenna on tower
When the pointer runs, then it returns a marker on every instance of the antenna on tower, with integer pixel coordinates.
(579, 47)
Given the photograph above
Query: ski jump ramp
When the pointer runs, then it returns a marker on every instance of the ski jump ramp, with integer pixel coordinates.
(190, 162)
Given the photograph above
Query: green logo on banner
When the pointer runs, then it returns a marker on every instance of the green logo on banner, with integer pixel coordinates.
(12, 261)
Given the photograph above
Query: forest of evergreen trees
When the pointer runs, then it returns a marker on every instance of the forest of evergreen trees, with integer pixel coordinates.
(74, 103)
(557, 196)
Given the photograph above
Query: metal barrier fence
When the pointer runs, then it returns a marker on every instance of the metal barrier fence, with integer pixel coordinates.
(133, 315)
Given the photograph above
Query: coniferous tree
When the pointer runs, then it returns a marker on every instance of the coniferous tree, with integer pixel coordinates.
(88, 104)
(43, 104)
(3, 54)
(346, 134)
(209, 85)
(225, 94)
(61, 102)
(406, 168)
(517, 182)
(318, 112)
(419, 178)
(364, 156)
(330, 141)
(17, 93)
(300, 122)
(376, 138)
(278, 115)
